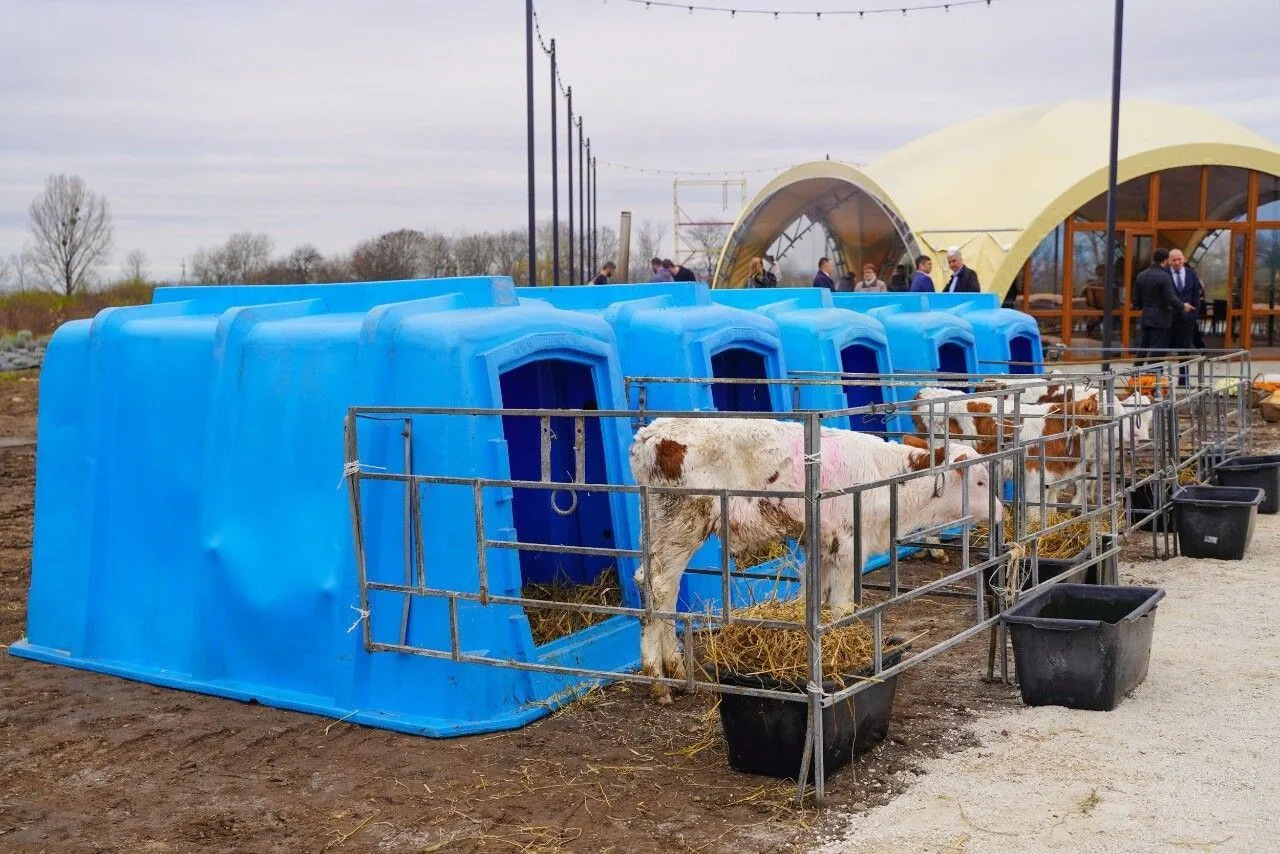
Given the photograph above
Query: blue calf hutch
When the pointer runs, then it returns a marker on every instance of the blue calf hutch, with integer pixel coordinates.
(817, 336)
(192, 527)
(919, 341)
(677, 331)
(1005, 341)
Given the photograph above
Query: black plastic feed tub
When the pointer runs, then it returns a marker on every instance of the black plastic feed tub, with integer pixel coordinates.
(1215, 521)
(1082, 646)
(1262, 472)
(766, 736)
(1142, 504)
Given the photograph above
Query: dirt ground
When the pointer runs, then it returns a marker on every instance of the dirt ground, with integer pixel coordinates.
(95, 763)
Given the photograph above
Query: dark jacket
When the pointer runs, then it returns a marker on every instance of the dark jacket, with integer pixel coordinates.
(898, 283)
(822, 280)
(966, 282)
(1153, 293)
(1192, 291)
(763, 280)
(684, 274)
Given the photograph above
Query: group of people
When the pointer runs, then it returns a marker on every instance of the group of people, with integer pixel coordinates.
(1170, 296)
(664, 270)
(764, 274)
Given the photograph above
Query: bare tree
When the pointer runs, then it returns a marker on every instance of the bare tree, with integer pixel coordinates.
(473, 254)
(708, 239)
(437, 256)
(22, 269)
(394, 255)
(72, 230)
(647, 246)
(135, 267)
(241, 260)
(304, 263)
(511, 254)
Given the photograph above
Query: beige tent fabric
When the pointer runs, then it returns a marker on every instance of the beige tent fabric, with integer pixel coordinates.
(839, 195)
(996, 186)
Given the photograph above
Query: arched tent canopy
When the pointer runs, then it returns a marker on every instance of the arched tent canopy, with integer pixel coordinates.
(998, 185)
(857, 214)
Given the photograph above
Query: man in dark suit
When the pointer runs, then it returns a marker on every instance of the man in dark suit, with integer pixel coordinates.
(1191, 291)
(1154, 294)
(963, 280)
(823, 278)
(1185, 330)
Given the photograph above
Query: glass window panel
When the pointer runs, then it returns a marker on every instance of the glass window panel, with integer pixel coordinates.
(1228, 193)
(1268, 198)
(1132, 203)
(1266, 268)
(1180, 194)
(1211, 261)
(1046, 269)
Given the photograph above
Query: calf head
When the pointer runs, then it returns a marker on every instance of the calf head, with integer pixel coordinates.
(973, 479)
(1133, 408)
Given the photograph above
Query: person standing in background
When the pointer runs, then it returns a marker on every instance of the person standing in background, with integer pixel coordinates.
(823, 278)
(870, 282)
(1190, 290)
(660, 273)
(679, 273)
(922, 282)
(963, 280)
(1185, 330)
(605, 274)
(899, 282)
(1154, 294)
(759, 278)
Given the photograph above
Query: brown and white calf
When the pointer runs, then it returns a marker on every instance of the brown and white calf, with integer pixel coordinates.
(767, 455)
(1057, 453)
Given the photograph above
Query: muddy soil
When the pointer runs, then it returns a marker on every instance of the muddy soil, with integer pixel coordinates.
(94, 763)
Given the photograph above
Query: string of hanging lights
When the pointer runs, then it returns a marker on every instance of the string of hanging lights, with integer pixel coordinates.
(817, 14)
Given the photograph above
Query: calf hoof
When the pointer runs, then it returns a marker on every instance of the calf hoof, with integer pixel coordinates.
(938, 555)
(661, 694)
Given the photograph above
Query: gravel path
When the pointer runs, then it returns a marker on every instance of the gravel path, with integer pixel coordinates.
(1187, 762)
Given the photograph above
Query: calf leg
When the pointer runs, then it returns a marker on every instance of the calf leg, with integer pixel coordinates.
(659, 651)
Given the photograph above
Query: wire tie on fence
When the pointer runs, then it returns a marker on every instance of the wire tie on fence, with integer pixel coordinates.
(815, 457)
(353, 468)
(363, 614)
(1013, 576)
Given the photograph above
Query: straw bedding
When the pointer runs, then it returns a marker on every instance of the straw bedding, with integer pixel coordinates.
(548, 624)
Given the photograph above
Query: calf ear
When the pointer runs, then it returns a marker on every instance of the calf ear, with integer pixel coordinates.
(921, 461)
(914, 441)
(1124, 395)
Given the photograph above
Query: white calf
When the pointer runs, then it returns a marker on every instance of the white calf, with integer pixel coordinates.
(765, 455)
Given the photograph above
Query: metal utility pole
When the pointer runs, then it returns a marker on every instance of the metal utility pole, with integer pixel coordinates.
(595, 214)
(1108, 304)
(528, 79)
(555, 177)
(589, 219)
(573, 280)
(582, 210)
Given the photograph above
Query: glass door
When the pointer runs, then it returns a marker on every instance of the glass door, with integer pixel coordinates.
(1265, 278)
(1236, 304)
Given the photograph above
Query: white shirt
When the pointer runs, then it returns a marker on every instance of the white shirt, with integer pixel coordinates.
(955, 280)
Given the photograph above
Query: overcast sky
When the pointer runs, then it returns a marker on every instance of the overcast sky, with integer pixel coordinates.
(329, 122)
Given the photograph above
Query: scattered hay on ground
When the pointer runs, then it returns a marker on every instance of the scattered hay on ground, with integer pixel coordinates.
(782, 654)
(548, 624)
